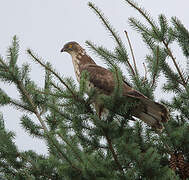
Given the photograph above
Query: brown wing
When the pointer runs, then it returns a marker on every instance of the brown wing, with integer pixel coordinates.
(100, 77)
(103, 79)
(149, 111)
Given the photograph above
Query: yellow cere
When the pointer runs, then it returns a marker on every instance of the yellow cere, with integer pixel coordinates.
(70, 45)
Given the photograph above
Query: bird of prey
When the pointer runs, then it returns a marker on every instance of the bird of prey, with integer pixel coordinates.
(152, 113)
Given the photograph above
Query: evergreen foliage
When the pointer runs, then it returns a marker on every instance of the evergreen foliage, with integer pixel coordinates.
(80, 145)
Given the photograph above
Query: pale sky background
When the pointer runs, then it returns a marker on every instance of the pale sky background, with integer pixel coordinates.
(45, 25)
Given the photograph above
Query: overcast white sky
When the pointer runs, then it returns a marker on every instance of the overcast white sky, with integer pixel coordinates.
(45, 25)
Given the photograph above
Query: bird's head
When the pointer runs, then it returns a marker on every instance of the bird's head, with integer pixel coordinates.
(71, 47)
(77, 52)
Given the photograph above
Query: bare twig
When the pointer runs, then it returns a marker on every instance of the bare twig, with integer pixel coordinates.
(131, 68)
(131, 49)
(145, 73)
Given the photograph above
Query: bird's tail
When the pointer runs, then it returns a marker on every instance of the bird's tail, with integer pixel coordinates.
(152, 113)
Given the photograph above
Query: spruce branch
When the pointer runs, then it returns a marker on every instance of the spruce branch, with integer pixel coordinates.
(20, 105)
(29, 99)
(27, 95)
(13, 53)
(56, 87)
(103, 53)
(101, 50)
(120, 50)
(66, 116)
(156, 69)
(74, 151)
(121, 56)
(164, 25)
(50, 70)
(175, 63)
(181, 34)
(132, 53)
(88, 142)
(106, 23)
(34, 107)
(4, 98)
(2, 124)
(144, 14)
(155, 30)
(61, 153)
(4, 65)
(171, 76)
(118, 78)
(149, 41)
(47, 78)
(109, 141)
(138, 26)
(163, 140)
(47, 93)
(31, 127)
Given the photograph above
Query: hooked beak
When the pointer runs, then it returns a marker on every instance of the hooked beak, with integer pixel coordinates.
(63, 49)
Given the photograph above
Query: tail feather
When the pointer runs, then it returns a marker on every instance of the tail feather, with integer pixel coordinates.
(157, 110)
(150, 120)
(153, 113)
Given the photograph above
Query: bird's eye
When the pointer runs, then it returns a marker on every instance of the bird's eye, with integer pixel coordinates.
(70, 46)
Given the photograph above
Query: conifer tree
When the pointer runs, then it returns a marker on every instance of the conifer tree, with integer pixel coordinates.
(80, 145)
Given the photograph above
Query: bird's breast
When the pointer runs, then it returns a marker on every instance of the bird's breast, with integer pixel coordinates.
(76, 67)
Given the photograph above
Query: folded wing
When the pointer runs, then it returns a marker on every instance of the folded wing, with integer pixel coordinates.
(153, 113)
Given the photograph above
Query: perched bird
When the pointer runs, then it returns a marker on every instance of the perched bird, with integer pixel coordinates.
(152, 113)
